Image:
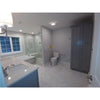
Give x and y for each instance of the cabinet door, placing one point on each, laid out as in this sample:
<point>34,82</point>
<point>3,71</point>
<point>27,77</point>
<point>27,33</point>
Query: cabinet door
<point>87,46</point>
<point>75,51</point>
<point>81,47</point>
<point>31,80</point>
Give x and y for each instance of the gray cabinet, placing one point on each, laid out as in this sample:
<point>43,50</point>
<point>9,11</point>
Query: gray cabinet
<point>81,47</point>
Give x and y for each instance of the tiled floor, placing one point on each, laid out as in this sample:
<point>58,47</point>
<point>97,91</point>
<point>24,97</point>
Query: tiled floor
<point>61,76</point>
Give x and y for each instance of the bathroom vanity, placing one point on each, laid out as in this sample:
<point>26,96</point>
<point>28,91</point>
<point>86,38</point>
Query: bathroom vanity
<point>19,73</point>
<point>22,76</point>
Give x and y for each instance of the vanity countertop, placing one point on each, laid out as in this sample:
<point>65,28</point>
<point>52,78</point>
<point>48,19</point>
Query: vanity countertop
<point>17,70</point>
<point>17,73</point>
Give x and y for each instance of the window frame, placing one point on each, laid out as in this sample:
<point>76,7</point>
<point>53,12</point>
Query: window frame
<point>5,44</point>
<point>11,44</point>
<point>15,45</point>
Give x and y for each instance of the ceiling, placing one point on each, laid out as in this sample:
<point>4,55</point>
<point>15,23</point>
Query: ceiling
<point>31,22</point>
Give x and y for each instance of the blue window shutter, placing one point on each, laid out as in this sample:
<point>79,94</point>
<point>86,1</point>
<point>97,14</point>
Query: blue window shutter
<point>5,44</point>
<point>16,44</point>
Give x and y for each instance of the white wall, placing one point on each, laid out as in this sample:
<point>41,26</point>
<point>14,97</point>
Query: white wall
<point>95,61</point>
<point>62,42</point>
<point>46,42</point>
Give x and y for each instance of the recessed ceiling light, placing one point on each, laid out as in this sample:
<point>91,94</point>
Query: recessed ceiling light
<point>52,23</point>
<point>20,30</point>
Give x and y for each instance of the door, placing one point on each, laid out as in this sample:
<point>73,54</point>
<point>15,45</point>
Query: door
<point>81,47</point>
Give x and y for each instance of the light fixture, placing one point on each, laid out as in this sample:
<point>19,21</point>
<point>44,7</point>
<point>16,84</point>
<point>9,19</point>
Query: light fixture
<point>52,23</point>
<point>20,30</point>
<point>9,78</point>
<point>32,32</point>
<point>25,70</point>
<point>5,22</point>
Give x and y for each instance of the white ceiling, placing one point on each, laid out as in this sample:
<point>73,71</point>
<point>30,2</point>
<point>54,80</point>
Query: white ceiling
<point>31,22</point>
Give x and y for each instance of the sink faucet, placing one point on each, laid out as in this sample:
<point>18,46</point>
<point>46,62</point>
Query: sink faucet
<point>5,71</point>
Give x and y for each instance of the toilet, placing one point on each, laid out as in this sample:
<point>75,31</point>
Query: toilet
<point>54,59</point>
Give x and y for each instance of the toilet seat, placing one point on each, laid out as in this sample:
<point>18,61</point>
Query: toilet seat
<point>54,58</point>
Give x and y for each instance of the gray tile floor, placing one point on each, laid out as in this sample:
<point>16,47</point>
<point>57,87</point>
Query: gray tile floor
<point>61,76</point>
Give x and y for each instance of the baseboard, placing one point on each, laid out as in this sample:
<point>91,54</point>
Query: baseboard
<point>79,70</point>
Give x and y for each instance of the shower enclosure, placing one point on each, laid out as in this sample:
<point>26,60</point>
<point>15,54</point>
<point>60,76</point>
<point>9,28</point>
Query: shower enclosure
<point>33,47</point>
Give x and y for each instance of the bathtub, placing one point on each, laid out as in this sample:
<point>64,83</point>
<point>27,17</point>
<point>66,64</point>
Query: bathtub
<point>22,76</point>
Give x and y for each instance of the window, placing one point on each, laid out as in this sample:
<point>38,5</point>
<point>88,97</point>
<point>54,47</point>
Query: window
<point>5,44</point>
<point>15,42</point>
<point>8,46</point>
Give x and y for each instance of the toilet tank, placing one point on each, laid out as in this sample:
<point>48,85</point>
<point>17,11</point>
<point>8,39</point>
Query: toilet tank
<point>56,54</point>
